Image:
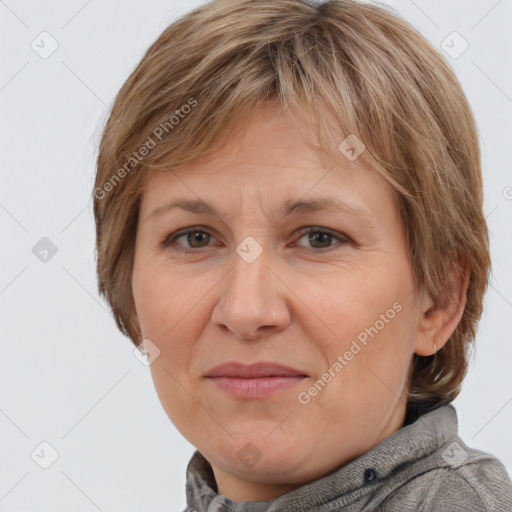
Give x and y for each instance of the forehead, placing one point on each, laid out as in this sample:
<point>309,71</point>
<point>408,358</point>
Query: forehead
<point>267,159</point>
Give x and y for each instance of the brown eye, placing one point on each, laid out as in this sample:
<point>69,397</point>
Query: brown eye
<point>320,240</point>
<point>195,239</point>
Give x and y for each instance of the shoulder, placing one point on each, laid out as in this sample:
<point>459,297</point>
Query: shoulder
<point>482,476</point>
<point>478,484</point>
<point>471,487</point>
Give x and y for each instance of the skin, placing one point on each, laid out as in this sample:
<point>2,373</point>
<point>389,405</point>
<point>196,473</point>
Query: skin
<point>291,305</point>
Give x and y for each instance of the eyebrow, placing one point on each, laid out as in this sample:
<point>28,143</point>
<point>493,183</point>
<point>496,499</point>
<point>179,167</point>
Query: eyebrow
<point>288,207</point>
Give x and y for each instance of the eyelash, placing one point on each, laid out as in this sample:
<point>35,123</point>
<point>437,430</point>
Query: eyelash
<point>170,239</point>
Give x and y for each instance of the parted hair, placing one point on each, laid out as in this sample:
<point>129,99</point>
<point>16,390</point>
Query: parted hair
<point>350,68</point>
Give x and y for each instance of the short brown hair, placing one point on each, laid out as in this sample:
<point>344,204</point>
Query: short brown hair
<point>356,63</point>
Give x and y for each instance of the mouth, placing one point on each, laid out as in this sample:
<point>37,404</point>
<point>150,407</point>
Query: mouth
<point>256,370</point>
<point>258,380</point>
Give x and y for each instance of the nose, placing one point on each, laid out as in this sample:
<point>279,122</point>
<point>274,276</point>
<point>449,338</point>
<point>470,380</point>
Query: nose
<point>254,300</point>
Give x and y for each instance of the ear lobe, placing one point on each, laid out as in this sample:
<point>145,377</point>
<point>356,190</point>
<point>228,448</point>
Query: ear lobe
<point>438,324</point>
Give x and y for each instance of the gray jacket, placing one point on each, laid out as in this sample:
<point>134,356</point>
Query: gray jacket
<point>422,467</point>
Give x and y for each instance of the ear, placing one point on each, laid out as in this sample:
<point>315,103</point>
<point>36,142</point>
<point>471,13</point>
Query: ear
<point>436,325</point>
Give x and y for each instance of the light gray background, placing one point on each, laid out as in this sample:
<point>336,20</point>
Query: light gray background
<point>68,377</point>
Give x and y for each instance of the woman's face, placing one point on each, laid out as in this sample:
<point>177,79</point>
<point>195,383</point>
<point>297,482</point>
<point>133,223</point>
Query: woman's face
<point>252,285</point>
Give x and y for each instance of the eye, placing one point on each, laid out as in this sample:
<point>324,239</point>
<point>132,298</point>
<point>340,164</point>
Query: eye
<point>197,238</point>
<point>192,236</point>
<point>321,238</point>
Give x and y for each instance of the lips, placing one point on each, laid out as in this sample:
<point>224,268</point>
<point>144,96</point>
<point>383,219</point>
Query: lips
<point>253,371</point>
<point>256,381</point>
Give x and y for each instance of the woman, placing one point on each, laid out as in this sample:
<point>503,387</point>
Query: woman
<point>288,205</point>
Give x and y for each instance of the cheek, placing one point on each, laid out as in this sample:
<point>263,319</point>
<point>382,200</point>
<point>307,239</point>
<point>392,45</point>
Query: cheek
<point>172,390</point>
<point>157,300</point>
<point>371,320</point>
<point>164,315</point>
<point>167,308</point>
<point>349,302</point>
